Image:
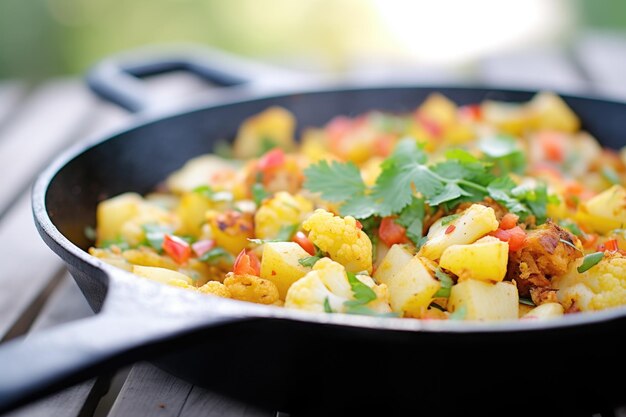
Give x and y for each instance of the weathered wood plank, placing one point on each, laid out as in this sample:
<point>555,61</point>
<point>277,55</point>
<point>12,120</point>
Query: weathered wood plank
<point>47,121</point>
<point>602,57</point>
<point>27,263</point>
<point>148,391</point>
<point>535,69</point>
<point>201,402</point>
<point>10,94</point>
<point>66,304</point>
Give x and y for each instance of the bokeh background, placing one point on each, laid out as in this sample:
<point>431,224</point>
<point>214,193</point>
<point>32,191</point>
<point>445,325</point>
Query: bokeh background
<point>44,38</point>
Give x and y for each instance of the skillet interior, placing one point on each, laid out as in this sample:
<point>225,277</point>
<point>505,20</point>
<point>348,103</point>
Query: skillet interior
<point>300,367</point>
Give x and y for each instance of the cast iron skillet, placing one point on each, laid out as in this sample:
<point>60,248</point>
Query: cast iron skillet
<point>298,362</point>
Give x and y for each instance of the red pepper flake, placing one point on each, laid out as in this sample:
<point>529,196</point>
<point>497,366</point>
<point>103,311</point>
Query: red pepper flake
<point>273,272</point>
<point>450,229</point>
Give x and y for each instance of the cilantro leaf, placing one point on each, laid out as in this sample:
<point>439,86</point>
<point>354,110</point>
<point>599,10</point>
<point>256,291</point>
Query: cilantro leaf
<point>610,175</point>
<point>335,181</point>
<point>446,283</point>
<point>208,192</point>
<point>362,293</point>
<point>505,154</point>
<point>214,255</point>
<point>327,308</point>
<point>590,261</point>
<point>309,261</point>
<point>527,301</point>
<point>155,233</point>
<point>259,193</point>
<point>449,219</point>
<point>412,218</point>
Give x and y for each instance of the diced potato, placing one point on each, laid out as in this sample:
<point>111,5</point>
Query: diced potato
<point>486,259</point>
<point>231,229</point>
<point>549,111</point>
<point>474,223</point>
<point>395,259</point>
<point>163,275</point>
<point>147,257</point>
<point>272,127</point>
<point>198,171</point>
<point>110,257</point>
<point>412,288</point>
<point>544,311</point>
<point>192,213</point>
<point>605,211</point>
<point>280,265</point>
<point>510,118</point>
<point>439,108</point>
<point>112,213</point>
<point>485,301</point>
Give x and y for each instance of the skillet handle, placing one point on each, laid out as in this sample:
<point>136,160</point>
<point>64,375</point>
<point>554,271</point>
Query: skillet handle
<point>48,361</point>
<point>118,78</point>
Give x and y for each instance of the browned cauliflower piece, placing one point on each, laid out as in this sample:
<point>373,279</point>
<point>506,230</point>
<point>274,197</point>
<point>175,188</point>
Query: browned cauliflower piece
<point>251,288</point>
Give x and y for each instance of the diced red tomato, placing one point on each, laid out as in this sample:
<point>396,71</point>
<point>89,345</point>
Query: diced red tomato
<point>471,112</point>
<point>338,127</point>
<point>515,237</point>
<point>202,246</point>
<point>509,221</point>
<point>431,126</point>
<point>301,239</point>
<point>611,245</point>
<point>450,229</point>
<point>247,263</point>
<point>589,240</point>
<point>176,248</point>
<point>553,145</point>
<point>391,232</point>
<point>271,159</point>
<point>359,225</point>
<point>383,145</point>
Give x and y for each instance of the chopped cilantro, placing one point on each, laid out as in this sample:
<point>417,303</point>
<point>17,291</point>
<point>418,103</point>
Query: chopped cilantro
<point>459,314</point>
<point>526,301</point>
<point>285,233</point>
<point>214,255</point>
<point>505,154</point>
<point>309,261</point>
<point>155,233</point>
<point>259,193</point>
<point>327,308</point>
<point>610,175</point>
<point>335,181</point>
<point>119,242</point>
<point>590,261</point>
<point>90,233</point>
<point>208,192</point>
<point>362,293</point>
<point>267,144</point>
<point>449,219</point>
<point>572,227</point>
<point>412,218</point>
<point>446,283</point>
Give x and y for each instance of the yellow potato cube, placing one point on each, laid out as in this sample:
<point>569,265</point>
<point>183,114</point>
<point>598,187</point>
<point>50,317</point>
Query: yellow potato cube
<point>412,288</point>
<point>473,223</point>
<point>395,259</point>
<point>439,108</point>
<point>549,111</point>
<point>162,275</point>
<point>484,301</point>
<point>274,126</point>
<point>486,259</point>
<point>605,211</point>
<point>112,213</point>
<point>544,311</point>
<point>192,213</point>
<point>279,264</point>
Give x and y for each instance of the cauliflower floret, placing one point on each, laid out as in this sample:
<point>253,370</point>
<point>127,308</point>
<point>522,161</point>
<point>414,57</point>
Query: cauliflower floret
<point>251,288</point>
<point>215,288</point>
<point>280,211</point>
<point>327,285</point>
<point>341,238</point>
<point>603,286</point>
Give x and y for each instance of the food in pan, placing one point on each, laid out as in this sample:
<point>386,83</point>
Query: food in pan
<point>488,211</point>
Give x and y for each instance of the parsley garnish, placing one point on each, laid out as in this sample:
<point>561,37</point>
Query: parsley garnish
<point>590,261</point>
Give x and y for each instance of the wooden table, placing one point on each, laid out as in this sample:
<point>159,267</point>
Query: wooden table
<point>36,292</point>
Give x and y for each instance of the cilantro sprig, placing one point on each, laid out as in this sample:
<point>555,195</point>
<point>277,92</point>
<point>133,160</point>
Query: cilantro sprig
<point>407,175</point>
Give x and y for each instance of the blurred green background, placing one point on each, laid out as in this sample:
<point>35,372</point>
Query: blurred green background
<point>43,38</point>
